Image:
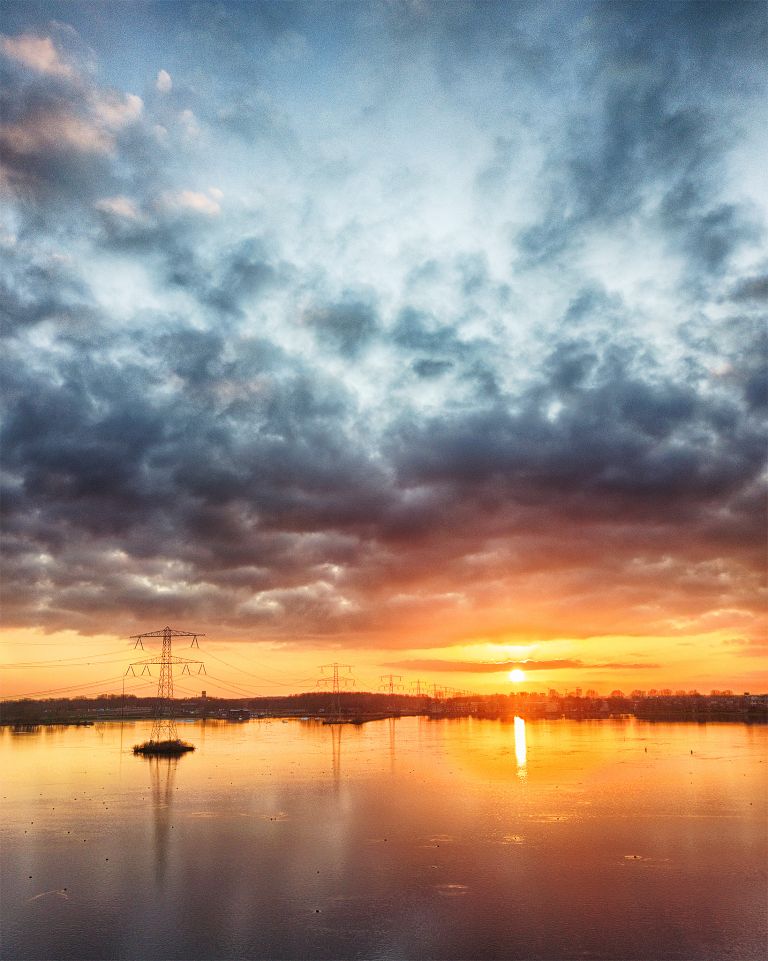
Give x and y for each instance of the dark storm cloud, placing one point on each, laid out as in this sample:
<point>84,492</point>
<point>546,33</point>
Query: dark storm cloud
<point>35,292</point>
<point>429,368</point>
<point>751,289</point>
<point>623,445</point>
<point>235,279</point>
<point>415,330</point>
<point>346,326</point>
<point>570,363</point>
<point>216,475</point>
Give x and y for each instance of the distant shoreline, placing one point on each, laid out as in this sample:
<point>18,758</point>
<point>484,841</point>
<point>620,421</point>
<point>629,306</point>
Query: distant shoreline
<point>362,708</point>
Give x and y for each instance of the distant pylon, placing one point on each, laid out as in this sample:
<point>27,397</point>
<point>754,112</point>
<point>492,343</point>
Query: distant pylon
<point>391,683</point>
<point>163,721</point>
<point>336,679</point>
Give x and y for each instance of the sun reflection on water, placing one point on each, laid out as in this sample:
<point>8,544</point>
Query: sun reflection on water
<point>520,747</point>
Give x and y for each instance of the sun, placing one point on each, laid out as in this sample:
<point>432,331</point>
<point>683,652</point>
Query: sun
<point>517,676</point>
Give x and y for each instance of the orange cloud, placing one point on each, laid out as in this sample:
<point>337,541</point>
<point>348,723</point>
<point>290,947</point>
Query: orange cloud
<point>55,130</point>
<point>496,667</point>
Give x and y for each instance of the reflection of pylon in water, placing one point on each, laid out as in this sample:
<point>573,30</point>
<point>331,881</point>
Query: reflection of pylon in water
<point>336,749</point>
<point>163,721</point>
<point>391,723</point>
<point>162,772</point>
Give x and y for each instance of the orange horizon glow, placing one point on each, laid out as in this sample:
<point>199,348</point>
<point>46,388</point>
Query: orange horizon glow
<point>65,664</point>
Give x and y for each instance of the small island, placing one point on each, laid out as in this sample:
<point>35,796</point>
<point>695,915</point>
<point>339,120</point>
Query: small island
<point>171,748</point>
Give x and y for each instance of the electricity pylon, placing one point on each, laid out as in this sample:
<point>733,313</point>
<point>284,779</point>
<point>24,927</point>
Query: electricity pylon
<point>163,721</point>
<point>391,683</point>
<point>336,680</point>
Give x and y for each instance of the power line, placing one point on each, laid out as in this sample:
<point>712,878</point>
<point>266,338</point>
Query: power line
<point>236,689</point>
<point>50,665</point>
<point>57,690</point>
<point>258,677</point>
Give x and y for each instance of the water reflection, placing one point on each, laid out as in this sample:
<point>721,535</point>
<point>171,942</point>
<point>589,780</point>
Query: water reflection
<point>446,856</point>
<point>25,728</point>
<point>162,773</point>
<point>521,751</point>
<point>335,730</point>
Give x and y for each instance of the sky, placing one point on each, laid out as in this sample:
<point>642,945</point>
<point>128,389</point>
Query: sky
<point>427,338</point>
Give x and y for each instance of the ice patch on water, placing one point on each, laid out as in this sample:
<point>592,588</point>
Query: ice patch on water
<point>451,889</point>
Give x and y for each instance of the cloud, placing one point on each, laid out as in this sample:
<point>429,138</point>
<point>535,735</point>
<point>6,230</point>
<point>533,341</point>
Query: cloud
<point>193,201</point>
<point>346,326</point>
<point>429,368</point>
<point>60,131</point>
<point>114,110</point>
<point>498,667</point>
<point>163,83</point>
<point>482,667</point>
<point>119,207</point>
<point>51,131</point>
<point>38,54</point>
<point>751,288</point>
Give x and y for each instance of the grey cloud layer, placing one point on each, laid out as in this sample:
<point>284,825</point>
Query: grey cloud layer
<point>300,386</point>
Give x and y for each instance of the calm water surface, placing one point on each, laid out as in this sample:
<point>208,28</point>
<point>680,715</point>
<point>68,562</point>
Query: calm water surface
<point>402,839</point>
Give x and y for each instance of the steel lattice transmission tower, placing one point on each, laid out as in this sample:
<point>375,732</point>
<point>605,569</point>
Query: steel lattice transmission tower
<point>391,683</point>
<point>163,721</point>
<point>336,680</point>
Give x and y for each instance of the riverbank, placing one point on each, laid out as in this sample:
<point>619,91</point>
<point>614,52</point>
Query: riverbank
<point>360,708</point>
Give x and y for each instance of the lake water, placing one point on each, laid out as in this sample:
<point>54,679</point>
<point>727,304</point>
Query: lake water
<point>401,839</point>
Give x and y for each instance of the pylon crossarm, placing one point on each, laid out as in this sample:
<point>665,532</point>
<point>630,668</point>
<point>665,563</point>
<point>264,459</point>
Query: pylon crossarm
<point>167,631</point>
<point>159,659</point>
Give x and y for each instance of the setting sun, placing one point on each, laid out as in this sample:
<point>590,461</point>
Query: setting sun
<point>516,675</point>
